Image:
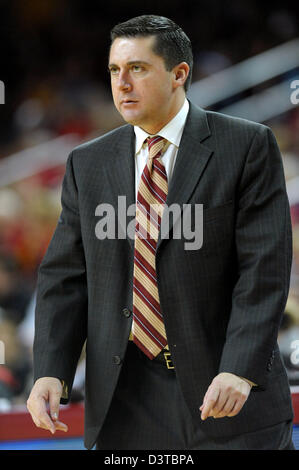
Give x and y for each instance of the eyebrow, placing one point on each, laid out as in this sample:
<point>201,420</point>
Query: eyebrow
<point>131,62</point>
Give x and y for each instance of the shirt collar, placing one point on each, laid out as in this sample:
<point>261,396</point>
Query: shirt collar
<point>172,131</point>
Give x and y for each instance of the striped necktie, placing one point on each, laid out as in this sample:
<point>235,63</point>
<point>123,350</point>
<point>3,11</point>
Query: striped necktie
<point>148,329</point>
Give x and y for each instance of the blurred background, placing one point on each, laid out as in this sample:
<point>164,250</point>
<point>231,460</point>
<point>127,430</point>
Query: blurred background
<point>54,57</point>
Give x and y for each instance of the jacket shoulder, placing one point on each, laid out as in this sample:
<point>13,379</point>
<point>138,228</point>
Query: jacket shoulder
<point>219,120</point>
<point>217,125</point>
<point>104,140</point>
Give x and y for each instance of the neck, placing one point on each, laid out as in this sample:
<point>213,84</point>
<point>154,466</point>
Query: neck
<point>155,128</point>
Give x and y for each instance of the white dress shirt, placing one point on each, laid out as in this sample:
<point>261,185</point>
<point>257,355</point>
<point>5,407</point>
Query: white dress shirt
<point>172,132</point>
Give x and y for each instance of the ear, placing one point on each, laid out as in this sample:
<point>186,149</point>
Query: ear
<point>180,74</point>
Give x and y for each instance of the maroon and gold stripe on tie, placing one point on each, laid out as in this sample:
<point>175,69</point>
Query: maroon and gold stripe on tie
<point>148,330</point>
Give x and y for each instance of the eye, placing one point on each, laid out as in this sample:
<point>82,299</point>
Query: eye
<point>137,68</point>
<point>113,70</point>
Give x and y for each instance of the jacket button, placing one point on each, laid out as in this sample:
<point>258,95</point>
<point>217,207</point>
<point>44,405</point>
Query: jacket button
<point>116,360</point>
<point>269,367</point>
<point>126,312</point>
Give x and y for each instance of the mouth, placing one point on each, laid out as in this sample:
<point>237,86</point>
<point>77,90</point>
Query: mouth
<point>128,102</point>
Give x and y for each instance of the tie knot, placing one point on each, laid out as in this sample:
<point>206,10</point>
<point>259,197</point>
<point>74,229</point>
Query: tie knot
<point>155,145</point>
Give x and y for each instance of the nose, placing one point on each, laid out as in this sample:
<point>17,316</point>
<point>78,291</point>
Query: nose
<point>124,83</point>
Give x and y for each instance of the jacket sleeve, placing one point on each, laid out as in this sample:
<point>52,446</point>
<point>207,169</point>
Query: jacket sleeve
<point>263,242</point>
<point>61,305</point>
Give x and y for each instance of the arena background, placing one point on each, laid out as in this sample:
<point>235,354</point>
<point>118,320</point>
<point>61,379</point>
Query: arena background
<point>56,94</point>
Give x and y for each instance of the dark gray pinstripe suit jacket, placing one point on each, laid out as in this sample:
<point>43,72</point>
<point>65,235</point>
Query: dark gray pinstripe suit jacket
<point>222,304</point>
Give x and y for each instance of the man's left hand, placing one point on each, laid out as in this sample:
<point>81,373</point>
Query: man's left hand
<point>225,396</point>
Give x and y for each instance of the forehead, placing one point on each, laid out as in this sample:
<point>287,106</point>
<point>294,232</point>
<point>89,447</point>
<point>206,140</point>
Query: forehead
<point>126,49</point>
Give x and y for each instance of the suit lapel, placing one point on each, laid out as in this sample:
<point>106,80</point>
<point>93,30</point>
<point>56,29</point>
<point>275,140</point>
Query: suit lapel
<point>190,163</point>
<point>122,171</point>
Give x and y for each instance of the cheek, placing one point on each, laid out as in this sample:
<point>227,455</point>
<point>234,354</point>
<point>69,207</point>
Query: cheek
<point>158,96</point>
<point>114,94</point>
<point>154,92</point>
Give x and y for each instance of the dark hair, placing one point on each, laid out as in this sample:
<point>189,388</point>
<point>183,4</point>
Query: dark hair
<point>171,43</point>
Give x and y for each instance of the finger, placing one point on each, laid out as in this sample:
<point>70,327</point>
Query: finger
<point>227,408</point>
<point>43,416</point>
<point>38,411</point>
<point>46,428</point>
<point>205,397</point>
<point>54,402</point>
<point>47,423</point>
<point>60,426</point>
<point>219,405</point>
<point>44,423</point>
<point>36,421</point>
<point>237,408</point>
<point>234,404</point>
<point>210,402</point>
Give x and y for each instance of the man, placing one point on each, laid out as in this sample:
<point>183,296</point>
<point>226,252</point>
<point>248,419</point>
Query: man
<point>181,348</point>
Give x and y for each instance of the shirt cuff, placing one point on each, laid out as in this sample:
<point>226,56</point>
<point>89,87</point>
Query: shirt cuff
<point>252,384</point>
<point>64,389</point>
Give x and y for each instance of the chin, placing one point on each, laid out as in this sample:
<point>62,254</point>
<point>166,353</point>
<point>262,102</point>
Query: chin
<point>130,118</point>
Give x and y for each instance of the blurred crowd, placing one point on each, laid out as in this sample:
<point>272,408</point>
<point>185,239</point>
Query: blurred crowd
<point>59,54</point>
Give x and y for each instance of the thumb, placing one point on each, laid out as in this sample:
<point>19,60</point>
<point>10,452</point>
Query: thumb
<point>54,402</point>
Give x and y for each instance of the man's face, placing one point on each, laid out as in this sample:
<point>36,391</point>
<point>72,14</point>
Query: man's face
<point>142,88</point>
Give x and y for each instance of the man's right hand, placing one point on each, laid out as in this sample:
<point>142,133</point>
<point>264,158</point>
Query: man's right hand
<point>46,391</point>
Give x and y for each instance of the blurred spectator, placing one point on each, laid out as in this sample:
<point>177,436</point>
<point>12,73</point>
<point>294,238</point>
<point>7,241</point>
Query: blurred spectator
<point>288,340</point>
<point>208,62</point>
<point>14,372</point>
<point>26,337</point>
<point>14,291</point>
